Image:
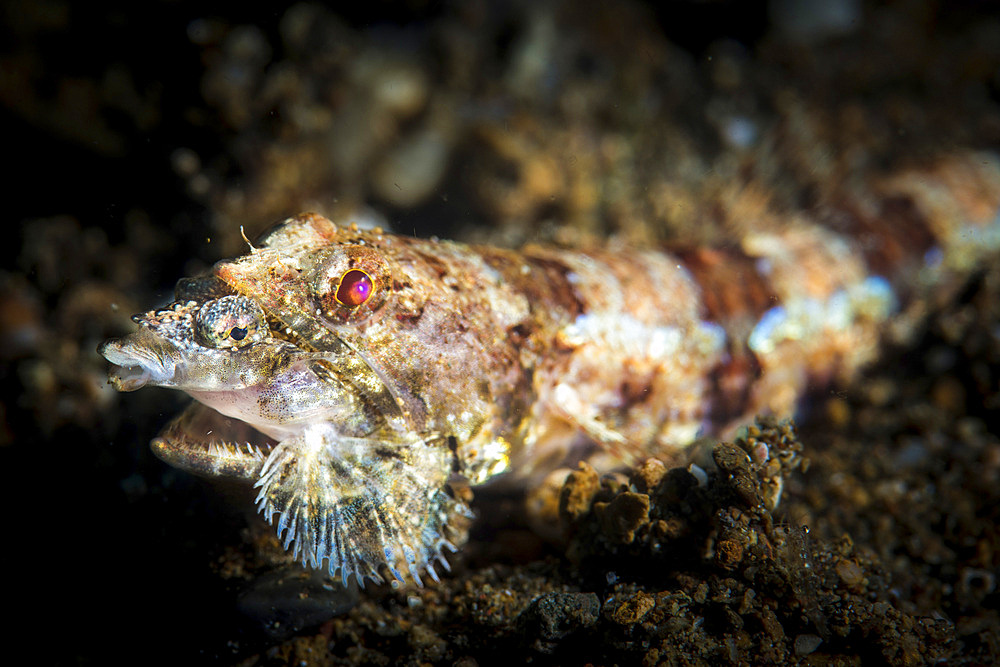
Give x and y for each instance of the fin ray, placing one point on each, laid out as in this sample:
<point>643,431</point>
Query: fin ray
<point>345,501</point>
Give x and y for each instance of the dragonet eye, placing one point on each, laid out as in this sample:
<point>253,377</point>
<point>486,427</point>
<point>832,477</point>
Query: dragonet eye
<point>355,288</point>
<point>230,322</point>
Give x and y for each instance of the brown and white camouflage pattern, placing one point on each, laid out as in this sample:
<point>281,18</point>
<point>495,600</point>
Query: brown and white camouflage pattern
<point>352,414</point>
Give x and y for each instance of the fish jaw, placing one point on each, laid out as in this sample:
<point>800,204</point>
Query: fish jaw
<point>140,359</point>
<point>206,443</point>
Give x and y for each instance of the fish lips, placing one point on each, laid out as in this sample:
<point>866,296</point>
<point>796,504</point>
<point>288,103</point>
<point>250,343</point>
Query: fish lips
<point>141,359</point>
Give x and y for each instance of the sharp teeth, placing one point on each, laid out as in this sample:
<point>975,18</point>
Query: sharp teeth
<point>224,449</point>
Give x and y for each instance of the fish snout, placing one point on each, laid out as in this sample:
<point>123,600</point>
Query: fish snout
<point>140,358</point>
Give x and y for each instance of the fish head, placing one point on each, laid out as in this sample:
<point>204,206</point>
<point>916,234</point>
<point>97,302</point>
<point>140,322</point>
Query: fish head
<point>259,382</point>
<point>287,400</point>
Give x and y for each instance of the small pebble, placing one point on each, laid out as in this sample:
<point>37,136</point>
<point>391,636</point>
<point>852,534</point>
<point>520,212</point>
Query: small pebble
<point>806,644</point>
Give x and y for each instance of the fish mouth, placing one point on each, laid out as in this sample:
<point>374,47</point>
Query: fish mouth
<point>141,359</point>
<point>209,444</point>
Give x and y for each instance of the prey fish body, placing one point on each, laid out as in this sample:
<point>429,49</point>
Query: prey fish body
<point>352,376</point>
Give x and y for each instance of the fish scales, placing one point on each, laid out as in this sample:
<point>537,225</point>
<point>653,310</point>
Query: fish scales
<point>352,375</point>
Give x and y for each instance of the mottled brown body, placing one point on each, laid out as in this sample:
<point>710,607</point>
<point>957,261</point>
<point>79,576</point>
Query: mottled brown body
<point>375,367</point>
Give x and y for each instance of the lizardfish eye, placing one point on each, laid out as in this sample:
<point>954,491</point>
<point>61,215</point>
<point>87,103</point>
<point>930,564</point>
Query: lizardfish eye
<point>230,322</point>
<point>351,284</point>
<point>355,288</point>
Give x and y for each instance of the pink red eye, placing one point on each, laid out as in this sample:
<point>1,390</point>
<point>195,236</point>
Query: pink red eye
<point>355,288</point>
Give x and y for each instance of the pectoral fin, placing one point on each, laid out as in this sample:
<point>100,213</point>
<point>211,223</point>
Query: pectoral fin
<point>360,503</point>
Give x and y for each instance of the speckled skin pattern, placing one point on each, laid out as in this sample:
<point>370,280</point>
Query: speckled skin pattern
<point>355,376</point>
